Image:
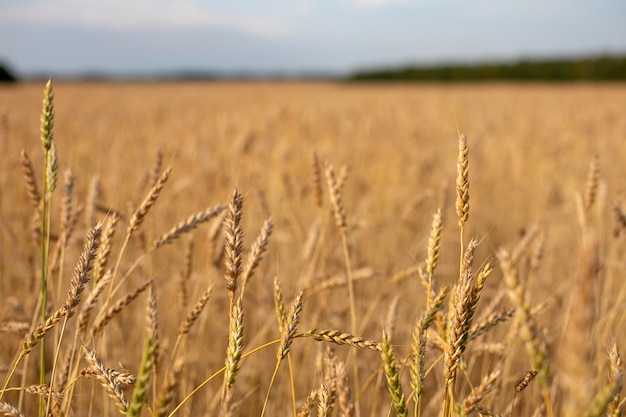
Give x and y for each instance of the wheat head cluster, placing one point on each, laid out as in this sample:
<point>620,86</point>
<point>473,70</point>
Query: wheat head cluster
<point>312,249</point>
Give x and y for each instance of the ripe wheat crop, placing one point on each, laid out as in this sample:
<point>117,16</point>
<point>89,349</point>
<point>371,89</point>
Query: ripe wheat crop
<point>312,249</point>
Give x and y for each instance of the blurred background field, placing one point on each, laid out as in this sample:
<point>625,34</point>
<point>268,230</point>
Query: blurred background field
<point>530,151</point>
<point>265,98</point>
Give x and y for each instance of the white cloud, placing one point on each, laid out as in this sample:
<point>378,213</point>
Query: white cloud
<point>304,7</point>
<point>141,14</point>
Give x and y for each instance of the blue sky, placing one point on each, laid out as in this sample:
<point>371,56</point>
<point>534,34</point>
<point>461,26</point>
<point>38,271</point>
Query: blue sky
<point>150,36</point>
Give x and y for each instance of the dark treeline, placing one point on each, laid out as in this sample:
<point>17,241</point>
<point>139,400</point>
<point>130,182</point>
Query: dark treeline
<point>604,68</point>
<point>578,69</point>
<point>5,74</point>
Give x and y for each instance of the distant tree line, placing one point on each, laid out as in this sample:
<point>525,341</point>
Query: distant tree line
<point>5,74</point>
<point>604,68</point>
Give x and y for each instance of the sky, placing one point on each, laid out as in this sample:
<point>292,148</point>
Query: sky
<point>70,37</point>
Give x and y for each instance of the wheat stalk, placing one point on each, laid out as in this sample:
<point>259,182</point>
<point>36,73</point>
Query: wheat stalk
<point>577,375</point>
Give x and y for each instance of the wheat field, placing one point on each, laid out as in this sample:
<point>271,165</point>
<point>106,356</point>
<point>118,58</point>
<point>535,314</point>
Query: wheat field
<point>252,249</point>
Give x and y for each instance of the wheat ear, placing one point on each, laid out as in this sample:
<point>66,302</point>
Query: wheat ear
<point>317,181</point>
<point>290,326</point>
<point>591,186</point>
<point>393,377</point>
<point>616,374</point>
<point>106,380</point>
<point>140,392</point>
<point>104,318</point>
<point>535,346</point>
<point>73,298</point>
<point>92,201</point>
<point>66,207</point>
<point>235,346</point>
<point>434,244</point>
<point>324,405</point>
<point>233,245</point>
<point>281,314</point>
<point>329,374</point>
<point>256,254</point>
<point>185,274</point>
<point>168,391</point>
<point>340,338</point>
<point>82,271</point>
<point>307,406</point>
<point>187,225</point>
<point>124,379</point>
<point>346,407</point>
<point>418,346</point>
<point>602,400</point>
<point>620,220</point>
<point>336,199</point>
<point>490,321</point>
<point>153,175</point>
<point>195,312</point>
<point>102,259</point>
<point>462,313</point>
<point>31,182</point>
<point>9,411</point>
<point>478,393</point>
<point>462,182</point>
<point>142,211</point>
